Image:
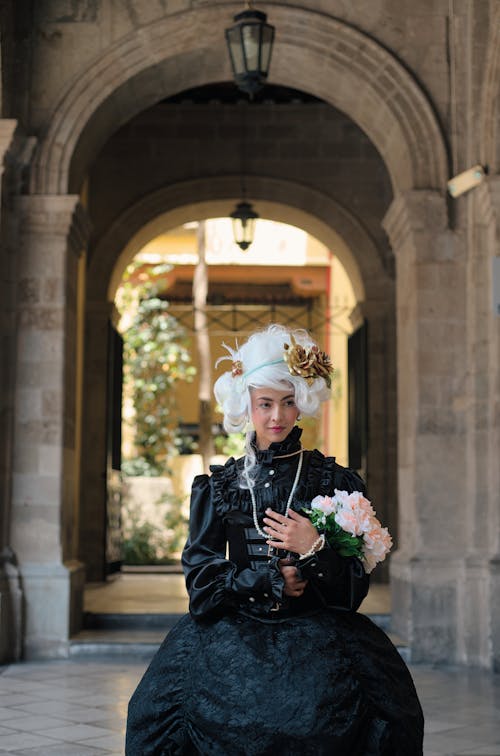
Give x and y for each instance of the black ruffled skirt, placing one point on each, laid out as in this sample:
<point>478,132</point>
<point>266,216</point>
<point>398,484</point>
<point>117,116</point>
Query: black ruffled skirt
<point>331,683</point>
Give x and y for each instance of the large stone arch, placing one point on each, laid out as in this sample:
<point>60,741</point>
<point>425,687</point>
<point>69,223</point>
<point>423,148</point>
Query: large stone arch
<point>280,200</point>
<point>338,63</point>
<point>284,201</point>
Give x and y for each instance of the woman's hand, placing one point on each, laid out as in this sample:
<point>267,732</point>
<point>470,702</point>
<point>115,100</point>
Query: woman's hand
<point>294,586</point>
<point>293,533</point>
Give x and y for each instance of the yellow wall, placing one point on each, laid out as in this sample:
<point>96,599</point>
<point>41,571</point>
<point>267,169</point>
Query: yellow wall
<point>341,303</point>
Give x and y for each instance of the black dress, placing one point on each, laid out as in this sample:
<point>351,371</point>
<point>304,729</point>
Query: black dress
<point>251,672</point>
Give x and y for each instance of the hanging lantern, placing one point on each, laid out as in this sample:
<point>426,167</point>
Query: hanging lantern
<point>250,44</point>
<point>243,219</point>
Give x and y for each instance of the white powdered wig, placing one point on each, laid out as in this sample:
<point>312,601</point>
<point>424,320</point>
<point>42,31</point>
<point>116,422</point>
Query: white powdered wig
<point>260,363</point>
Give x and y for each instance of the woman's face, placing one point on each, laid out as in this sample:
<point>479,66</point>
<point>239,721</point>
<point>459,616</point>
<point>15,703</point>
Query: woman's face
<point>273,414</point>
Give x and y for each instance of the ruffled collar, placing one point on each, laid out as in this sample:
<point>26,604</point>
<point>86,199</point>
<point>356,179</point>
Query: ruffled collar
<point>278,448</point>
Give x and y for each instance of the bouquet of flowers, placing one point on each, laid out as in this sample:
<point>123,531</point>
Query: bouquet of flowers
<point>350,526</point>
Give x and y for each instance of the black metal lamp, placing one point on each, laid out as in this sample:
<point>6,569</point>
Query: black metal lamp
<point>250,44</point>
<point>243,219</point>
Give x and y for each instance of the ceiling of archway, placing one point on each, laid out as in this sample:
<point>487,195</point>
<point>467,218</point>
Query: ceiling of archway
<point>210,132</point>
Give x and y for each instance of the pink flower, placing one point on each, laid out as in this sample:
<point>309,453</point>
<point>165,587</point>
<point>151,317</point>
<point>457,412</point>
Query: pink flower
<point>348,521</point>
<point>355,522</point>
<point>369,562</point>
<point>355,501</point>
<point>358,501</point>
<point>325,504</point>
<point>377,543</point>
<point>354,512</point>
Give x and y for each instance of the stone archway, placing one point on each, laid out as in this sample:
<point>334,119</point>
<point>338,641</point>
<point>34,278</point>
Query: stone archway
<point>313,211</point>
<point>339,64</point>
<point>173,205</point>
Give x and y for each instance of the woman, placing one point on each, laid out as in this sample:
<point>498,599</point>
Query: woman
<point>273,657</point>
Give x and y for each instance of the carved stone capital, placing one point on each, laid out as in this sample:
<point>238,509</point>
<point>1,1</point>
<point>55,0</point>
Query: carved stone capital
<point>55,215</point>
<point>415,212</point>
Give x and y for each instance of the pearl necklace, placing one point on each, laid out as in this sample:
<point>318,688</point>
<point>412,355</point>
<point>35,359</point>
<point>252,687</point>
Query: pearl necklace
<point>288,504</point>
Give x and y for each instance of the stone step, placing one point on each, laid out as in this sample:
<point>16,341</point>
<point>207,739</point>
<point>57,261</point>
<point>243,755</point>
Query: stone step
<point>141,644</point>
<point>129,620</point>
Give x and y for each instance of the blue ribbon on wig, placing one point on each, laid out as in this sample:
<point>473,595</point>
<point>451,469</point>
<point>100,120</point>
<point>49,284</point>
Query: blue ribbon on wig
<point>264,364</point>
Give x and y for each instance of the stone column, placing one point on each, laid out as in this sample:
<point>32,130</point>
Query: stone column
<point>53,233</point>
<point>481,643</point>
<point>10,593</point>
<point>428,567</point>
<point>495,446</point>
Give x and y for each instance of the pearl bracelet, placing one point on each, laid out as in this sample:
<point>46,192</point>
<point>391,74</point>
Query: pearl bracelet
<point>318,544</point>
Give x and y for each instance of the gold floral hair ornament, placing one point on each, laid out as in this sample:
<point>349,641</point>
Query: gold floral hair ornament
<point>236,368</point>
<point>308,363</point>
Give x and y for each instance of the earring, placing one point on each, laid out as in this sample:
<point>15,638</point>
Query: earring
<point>299,417</point>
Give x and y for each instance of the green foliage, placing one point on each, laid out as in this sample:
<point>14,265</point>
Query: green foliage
<point>139,467</point>
<point>346,544</point>
<point>176,523</point>
<point>149,543</point>
<point>343,542</point>
<point>156,356</point>
<point>138,547</point>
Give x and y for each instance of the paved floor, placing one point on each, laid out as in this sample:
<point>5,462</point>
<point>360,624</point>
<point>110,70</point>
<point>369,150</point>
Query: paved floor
<point>78,707</point>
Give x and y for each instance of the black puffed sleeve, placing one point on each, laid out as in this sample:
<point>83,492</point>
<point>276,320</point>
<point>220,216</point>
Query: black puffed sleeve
<point>213,582</point>
<point>338,582</point>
